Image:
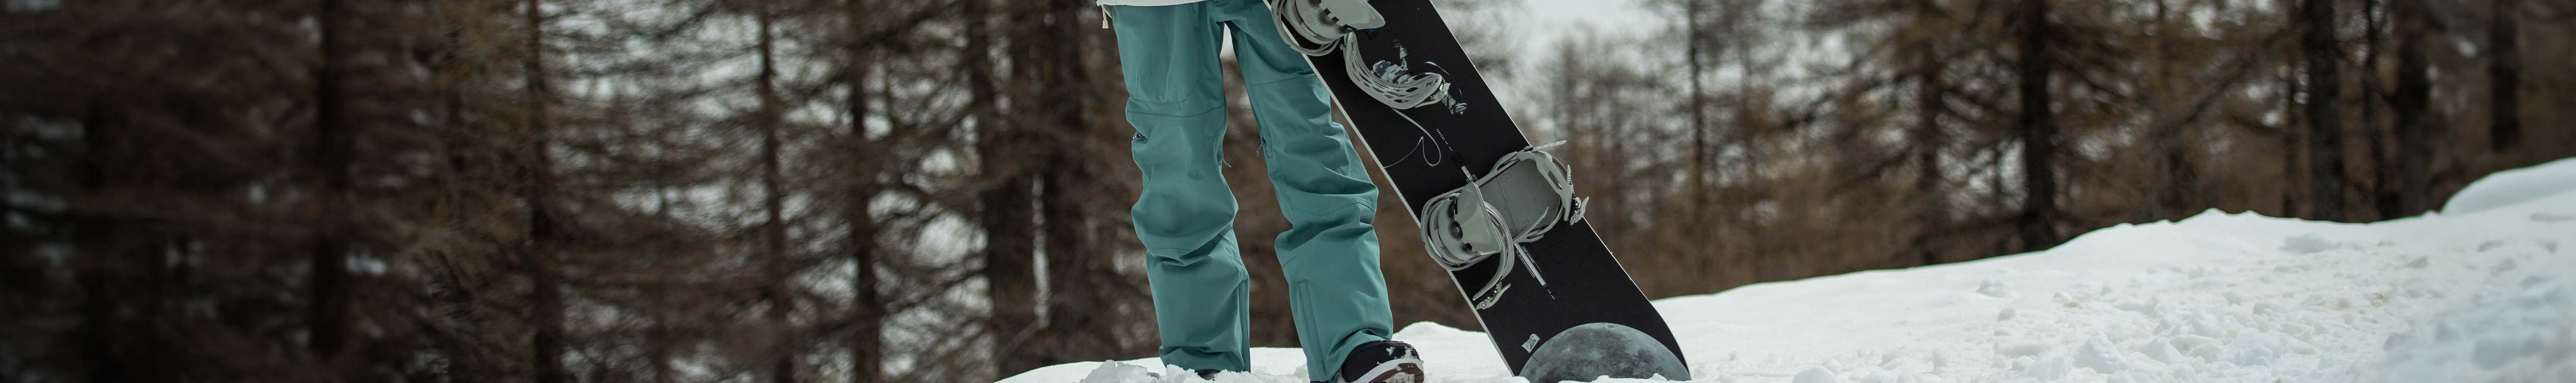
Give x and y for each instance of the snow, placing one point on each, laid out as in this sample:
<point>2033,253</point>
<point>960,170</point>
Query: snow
<point>2514,186</point>
<point>2481,293</point>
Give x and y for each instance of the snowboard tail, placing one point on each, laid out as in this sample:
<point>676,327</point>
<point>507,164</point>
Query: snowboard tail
<point>1496,212</point>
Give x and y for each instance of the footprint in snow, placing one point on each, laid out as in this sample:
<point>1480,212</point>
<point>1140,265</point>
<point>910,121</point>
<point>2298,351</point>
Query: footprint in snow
<point>2306,243</point>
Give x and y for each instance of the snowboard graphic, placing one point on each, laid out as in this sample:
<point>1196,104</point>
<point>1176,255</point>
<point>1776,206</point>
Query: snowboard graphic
<point>1497,212</point>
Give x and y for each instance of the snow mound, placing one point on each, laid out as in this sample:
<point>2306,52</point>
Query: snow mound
<point>2511,187</point>
<point>2217,297</point>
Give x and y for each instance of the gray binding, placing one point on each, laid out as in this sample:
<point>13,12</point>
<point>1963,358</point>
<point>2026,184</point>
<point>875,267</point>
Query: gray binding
<point>1317,27</point>
<point>1527,194</point>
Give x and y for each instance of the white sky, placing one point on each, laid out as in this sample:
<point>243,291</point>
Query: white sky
<point>1550,18</point>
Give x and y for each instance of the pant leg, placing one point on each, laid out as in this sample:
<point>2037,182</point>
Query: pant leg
<point>1330,253</point>
<point>1185,217</point>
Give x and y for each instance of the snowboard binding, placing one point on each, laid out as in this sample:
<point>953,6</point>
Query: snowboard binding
<point>1324,22</point>
<point>1406,89</point>
<point>1320,27</point>
<point>1527,194</point>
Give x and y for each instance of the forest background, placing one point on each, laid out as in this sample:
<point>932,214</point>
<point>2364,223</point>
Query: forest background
<point>936,190</point>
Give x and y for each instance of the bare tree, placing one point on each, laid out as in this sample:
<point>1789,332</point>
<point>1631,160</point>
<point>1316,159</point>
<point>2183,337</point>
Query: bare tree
<point>328,318</point>
<point>1081,318</point>
<point>1931,212</point>
<point>2504,74</point>
<point>550,191</point>
<point>536,250</point>
<point>866,305</point>
<point>776,291</point>
<point>2325,134</point>
<point>1009,253</point>
<point>2038,128</point>
<point>2414,91</point>
<point>1698,106</point>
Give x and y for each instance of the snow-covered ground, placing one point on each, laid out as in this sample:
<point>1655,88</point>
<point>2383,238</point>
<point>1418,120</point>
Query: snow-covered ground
<point>2485,292</point>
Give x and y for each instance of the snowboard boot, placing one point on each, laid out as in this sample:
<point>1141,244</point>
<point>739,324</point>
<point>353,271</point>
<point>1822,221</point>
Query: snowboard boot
<point>1384,361</point>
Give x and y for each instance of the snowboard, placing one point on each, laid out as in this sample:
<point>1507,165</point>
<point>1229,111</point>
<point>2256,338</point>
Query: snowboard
<point>1496,211</point>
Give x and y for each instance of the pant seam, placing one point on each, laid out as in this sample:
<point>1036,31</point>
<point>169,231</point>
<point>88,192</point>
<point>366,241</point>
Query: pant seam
<point>1336,209</point>
<point>1200,113</point>
<point>1300,77</point>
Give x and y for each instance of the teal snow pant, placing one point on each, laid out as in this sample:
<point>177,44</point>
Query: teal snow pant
<point>1185,217</point>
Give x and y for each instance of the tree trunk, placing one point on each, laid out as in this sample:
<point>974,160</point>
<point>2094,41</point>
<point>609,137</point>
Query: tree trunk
<point>535,252</point>
<point>1933,210</point>
<point>2414,90</point>
<point>465,359</point>
<point>97,239</point>
<point>458,311</point>
<point>328,313</point>
<point>2325,133</point>
<point>660,337</point>
<point>866,307</point>
<point>2383,191</point>
<point>2177,189</point>
<point>1699,116</point>
<point>2504,75</point>
<point>1077,319</point>
<point>2038,131</point>
<point>782,352</point>
<point>2290,145</point>
<point>1010,274</point>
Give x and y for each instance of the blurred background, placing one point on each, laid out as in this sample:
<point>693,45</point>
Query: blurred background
<point>938,190</point>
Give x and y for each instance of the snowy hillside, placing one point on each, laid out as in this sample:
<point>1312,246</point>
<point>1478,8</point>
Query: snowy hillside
<point>2471,296</point>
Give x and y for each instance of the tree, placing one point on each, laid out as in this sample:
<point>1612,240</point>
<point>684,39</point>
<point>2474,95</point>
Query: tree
<point>2413,92</point>
<point>2038,128</point>
<point>781,356</point>
<point>472,152</point>
<point>1009,255</point>
<point>2383,191</point>
<point>536,250</point>
<point>625,190</point>
<point>1929,65</point>
<point>2166,135</point>
<point>329,315</point>
<point>1698,107</point>
<point>1081,311</point>
<point>866,305</point>
<point>2325,134</point>
<point>2504,74</point>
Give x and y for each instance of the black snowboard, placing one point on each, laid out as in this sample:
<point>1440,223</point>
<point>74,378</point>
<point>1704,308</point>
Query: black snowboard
<point>1580,314</point>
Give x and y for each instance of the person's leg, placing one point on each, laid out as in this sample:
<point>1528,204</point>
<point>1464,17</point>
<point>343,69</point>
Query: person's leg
<point>1330,252</point>
<point>1185,217</point>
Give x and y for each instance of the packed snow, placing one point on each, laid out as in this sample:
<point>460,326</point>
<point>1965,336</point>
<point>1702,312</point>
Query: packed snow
<point>2481,293</point>
<point>2511,187</point>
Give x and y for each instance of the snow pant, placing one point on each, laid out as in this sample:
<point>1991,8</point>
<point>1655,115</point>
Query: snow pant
<point>1185,217</point>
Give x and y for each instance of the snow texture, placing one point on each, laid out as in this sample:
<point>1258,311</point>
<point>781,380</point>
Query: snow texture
<point>2484,292</point>
<point>2511,187</point>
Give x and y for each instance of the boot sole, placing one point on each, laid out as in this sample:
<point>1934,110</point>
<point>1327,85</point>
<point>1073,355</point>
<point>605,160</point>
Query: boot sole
<point>1398,371</point>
